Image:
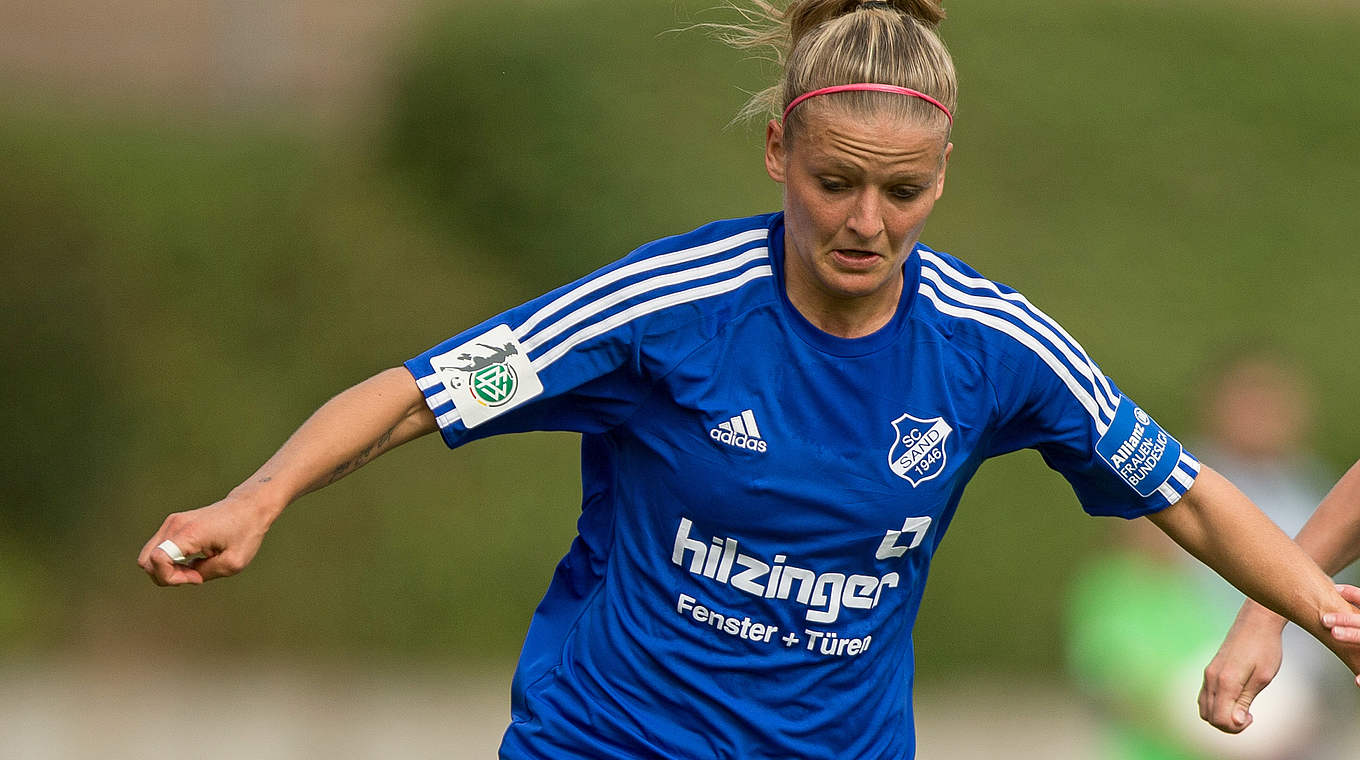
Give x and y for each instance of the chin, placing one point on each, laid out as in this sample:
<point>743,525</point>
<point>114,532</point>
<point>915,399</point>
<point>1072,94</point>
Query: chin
<point>851,289</point>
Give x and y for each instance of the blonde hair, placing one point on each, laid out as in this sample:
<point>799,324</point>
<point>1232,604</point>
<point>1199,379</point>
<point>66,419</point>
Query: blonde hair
<point>824,43</point>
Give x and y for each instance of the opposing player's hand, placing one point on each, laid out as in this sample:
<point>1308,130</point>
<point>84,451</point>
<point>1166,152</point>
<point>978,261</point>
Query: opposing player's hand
<point>1346,628</point>
<point>1245,664</point>
<point>226,534</point>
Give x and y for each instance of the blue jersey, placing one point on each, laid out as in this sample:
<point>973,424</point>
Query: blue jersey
<point>761,500</point>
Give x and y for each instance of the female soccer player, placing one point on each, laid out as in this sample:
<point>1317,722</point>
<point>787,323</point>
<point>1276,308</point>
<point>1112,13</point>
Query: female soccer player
<point>778,417</point>
<point>1251,653</point>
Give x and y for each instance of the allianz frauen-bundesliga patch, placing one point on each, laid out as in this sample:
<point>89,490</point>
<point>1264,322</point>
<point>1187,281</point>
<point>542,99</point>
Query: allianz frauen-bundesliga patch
<point>1138,449</point>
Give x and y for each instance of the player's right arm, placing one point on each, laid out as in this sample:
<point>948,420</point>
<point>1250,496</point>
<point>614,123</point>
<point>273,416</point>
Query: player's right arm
<point>348,431</point>
<point>1250,655</point>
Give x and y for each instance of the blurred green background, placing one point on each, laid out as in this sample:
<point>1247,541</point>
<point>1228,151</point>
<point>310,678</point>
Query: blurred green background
<point>191,262</point>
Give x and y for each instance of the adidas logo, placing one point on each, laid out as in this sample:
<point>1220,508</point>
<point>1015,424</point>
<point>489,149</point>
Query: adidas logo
<point>740,431</point>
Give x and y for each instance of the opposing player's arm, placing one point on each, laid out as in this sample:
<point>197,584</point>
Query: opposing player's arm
<point>1222,528</point>
<point>1332,535</point>
<point>1251,652</point>
<point>347,432</point>
<point>1332,538</point>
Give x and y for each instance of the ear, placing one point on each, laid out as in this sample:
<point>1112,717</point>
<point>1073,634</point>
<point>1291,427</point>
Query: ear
<point>775,151</point>
<point>944,164</point>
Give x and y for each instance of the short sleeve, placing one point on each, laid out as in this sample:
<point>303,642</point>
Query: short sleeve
<point>567,360</point>
<point>1052,397</point>
<point>584,357</point>
<point>485,381</point>
<point>1118,460</point>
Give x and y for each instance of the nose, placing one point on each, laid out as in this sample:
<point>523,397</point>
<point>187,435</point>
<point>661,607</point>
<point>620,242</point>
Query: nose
<point>866,216</point>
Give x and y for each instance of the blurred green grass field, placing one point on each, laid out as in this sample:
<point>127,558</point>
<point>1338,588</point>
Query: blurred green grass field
<point>182,287</point>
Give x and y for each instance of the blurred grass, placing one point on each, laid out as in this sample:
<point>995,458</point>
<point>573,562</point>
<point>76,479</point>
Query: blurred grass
<point>182,291</point>
<point>589,129</point>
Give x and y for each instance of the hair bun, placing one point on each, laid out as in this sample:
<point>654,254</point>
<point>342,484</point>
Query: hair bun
<point>927,12</point>
<point>827,43</point>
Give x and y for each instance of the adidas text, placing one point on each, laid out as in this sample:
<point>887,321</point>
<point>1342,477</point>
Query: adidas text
<point>740,431</point>
<point>737,439</point>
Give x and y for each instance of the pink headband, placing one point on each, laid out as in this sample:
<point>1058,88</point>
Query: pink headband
<point>869,87</point>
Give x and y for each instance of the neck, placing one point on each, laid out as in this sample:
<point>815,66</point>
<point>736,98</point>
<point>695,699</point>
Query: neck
<point>842,316</point>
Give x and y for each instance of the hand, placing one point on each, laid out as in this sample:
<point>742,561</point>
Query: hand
<point>1245,664</point>
<point>1345,628</point>
<point>227,534</point>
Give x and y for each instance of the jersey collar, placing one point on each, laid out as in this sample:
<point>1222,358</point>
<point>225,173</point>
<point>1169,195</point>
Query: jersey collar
<point>824,341</point>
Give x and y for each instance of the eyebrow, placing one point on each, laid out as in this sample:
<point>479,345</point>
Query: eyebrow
<point>840,165</point>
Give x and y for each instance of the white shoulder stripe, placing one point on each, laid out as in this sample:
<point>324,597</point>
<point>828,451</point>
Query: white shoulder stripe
<point>444,396</point>
<point>1081,393</point>
<point>637,267</point>
<point>1190,464</point>
<point>1186,470</point>
<point>619,296</point>
<point>647,307</point>
<point>1082,365</point>
<point>980,282</point>
<point>1169,493</point>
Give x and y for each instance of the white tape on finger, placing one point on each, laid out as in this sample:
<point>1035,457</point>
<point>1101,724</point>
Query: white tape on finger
<point>176,554</point>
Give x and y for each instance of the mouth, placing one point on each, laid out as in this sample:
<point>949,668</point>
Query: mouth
<point>852,258</point>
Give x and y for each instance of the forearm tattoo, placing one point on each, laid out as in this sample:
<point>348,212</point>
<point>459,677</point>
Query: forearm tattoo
<point>370,451</point>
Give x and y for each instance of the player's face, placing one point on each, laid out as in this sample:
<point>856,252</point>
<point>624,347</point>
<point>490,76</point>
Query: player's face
<point>857,193</point>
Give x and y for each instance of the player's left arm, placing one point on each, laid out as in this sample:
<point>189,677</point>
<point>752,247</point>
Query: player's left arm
<point>1220,526</point>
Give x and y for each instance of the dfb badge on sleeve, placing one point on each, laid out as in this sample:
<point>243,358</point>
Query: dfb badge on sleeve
<point>487,376</point>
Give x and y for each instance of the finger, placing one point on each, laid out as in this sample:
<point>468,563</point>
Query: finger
<point>160,568</point>
<point>1349,593</point>
<point>1349,632</point>
<point>178,555</point>
<point>1208,691</point>
<point>1241,713</point>
<point>1348,619</point>
<point>166,571</point>
<point>1241,716</point>
<point>170,526</point>
<point>149,548</point>
<point>1225,702</point>
<point>1332,620</point>
<point>217,566</point>
<point>179,575</point>
<point>1209,698</point>
<point>148,558</point>
<point>173,551</point>
<point>144,556</point>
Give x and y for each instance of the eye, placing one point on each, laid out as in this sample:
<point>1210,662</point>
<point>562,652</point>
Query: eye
<point>833,185</point>
<point>904,192</point>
